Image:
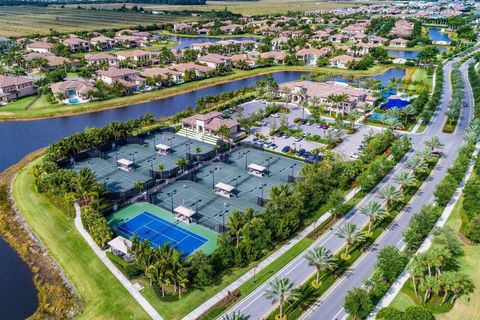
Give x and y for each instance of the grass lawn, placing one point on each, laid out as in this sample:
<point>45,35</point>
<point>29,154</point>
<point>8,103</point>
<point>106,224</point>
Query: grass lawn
<point>17,105</point>
<point>465,308</point>
<point>420,75</point>
<point>103,297</point>
<point>42,109</point>
<point>248,7</point>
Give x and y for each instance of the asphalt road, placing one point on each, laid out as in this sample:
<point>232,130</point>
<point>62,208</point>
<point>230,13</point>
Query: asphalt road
<point>256,305</point>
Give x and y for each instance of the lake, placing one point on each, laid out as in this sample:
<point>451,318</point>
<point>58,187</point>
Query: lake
<point>408,54</point>
<point>436,34</point>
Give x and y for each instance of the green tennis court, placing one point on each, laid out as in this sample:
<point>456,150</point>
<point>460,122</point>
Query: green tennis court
<point>159,226</point>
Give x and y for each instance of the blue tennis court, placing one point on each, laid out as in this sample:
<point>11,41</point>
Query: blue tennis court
<point>158,231</point>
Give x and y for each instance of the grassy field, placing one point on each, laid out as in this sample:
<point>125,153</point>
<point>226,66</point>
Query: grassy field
<point>23,20</point>
<point>42,109</point>
<point>103,297</point>
<point>466,307</point>
<point>254,7</point>
<point>420,75</point>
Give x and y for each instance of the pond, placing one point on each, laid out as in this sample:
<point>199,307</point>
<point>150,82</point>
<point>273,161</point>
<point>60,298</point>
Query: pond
<point>436,34</point>
<point>408,54</point>
<point>184,42</point>
<point>18,138</point>
<point>384,78</point>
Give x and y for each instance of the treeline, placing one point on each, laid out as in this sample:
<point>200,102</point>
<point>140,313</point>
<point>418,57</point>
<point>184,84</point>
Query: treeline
<point>434,101</point>
<point>456,103</point>
<point>47,2</point>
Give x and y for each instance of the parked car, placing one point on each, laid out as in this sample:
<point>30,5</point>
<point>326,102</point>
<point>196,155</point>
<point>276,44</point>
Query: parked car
<point>273,146</point>
<point>278,134</point>
<point>286,149</point>
<point>285,136</point>
<point>298,139</point>
<point>354,155</point>
<point>309,123</point>
<point>325,126</point>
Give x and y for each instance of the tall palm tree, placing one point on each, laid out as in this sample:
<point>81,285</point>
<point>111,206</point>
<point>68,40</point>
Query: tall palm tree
<point>322,259</point>
<point>224,133</point>
<point>434,143</point>
<point>281,289</point>
<point>353,115</point>
<point>374,211</point>
<point>404,179</point>
<point>161,167</point>
<point>390,194</point>
<point>351,233</point>
<point>235,224</point>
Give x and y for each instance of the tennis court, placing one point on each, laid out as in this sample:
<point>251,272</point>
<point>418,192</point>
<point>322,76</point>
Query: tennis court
<point>149,222</point>
<point>159,232</point>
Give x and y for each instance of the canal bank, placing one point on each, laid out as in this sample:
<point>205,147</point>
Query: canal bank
<point>44,111</point>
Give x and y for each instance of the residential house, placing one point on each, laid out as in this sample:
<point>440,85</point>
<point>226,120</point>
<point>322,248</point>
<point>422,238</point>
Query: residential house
<point>128,77</point>
<point>173,76</point>
<point>209,123</point>
<point>299,91</point>
<point>310,56</point>
<point>277,43</point>
<point>215,61</point>
<point>54,62</point>
<point>200,71</point>
<point>341,61</point>
<point>249,61</point>
<point>139,57</point>
<point>130,41</point>
<point>71,89</point>
<point>182,27</point>
<point>277,56</point>
<point>402,28</point>
<point>377,40</point>
<point>101,58</point>
<point>39,46</point>
<point>231,28</point>
<point>321,35</point>
<point>102,43</point>
<point>15,87</point>
<point>337,38</point>
<point>76,44</point>
<point>399,42</point>
<point>360,49</point>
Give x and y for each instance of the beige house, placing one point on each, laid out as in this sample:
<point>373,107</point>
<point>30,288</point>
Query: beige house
<point>164,73</point>
<point>310,56</point>
<point>277,56</point>
<point>98,58</point>
<point>209,123</point>
<point>341,61</point>
<point>39,46</point>
<point>137,56</point>
<point>128,77</point>
<point>399,42</point>
<point>215,61</point>
<point>77,44</point>
<point>102,43</point>
<point>72,89</point>
<point>305,90</point>
<point>15,87</point>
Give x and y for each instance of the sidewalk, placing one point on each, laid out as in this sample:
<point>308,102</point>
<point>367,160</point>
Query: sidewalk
<point>404,276</point>
<point>113,269</point>
<point>262,265</point>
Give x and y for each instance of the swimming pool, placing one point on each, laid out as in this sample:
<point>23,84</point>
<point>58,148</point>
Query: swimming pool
<point>74,100</point>
<point>378,116</point>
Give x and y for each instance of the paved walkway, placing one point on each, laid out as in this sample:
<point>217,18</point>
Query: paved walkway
<point>113,269</point>
<point>262,265</point>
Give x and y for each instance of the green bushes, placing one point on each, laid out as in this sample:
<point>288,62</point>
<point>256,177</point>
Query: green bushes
<point>420,226</point>
<point>129,269</point>
<point>412,313</point>
<point>435,98</point>
<point>456,103</point>
<point>96,225</point>
<point>446,188</point>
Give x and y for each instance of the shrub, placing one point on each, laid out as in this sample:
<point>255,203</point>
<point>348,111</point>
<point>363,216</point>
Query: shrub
<point>472,229</point>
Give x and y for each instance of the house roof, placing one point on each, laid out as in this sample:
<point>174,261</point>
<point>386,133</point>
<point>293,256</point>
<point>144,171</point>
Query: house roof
<point>40,45</point>
<point>7,81</point>
<point>133,53</point>
<point>81,86</point>
<point>99,57</point>
<point>214,58</point>
<point>117,72</point>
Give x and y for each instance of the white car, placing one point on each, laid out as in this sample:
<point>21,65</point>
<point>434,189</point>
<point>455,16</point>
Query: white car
<point>354,155</point>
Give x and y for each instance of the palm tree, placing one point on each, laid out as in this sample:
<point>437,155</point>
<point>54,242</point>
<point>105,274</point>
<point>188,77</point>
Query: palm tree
<point>416,164</point>
<point>416,269</point>
<point>161,167</point>
<point>224,133</point>
<point>434,143</point>
<point>235,224</point>
<point>404,179</point>
<point>235,316</point>
<point>322,259</point>
<point>390,194</point>
<point>281,289</point>
<point>374,211</point>
<point>351,234</point>
<point>182,162</point>
<point>198,150</point>
<point>353,116</point>
<point>139,185</point>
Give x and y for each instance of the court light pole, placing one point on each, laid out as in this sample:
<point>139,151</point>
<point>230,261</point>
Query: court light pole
<point>246,158</point>
<point>213,178</point>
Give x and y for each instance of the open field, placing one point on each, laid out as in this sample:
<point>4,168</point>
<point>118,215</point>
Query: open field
<point>253,7</point>
<point>42,109</point>
<point>23,20</point>
<point>88,274</point>
<point>466,307</point>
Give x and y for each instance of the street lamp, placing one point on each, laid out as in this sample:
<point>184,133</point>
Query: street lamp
<point>246,158</point>
<point>170,194</point>
<point>262,186</point>
<point>212,172</point>
<point>196,204</point>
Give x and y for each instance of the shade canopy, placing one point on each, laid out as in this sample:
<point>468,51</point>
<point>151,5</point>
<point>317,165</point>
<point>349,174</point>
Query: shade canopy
<point>124,162</point>
<point>256,167</point>
<point>184,211</point>
<point>120,244</point>
<point>224,187</point>
<point>162,147</point>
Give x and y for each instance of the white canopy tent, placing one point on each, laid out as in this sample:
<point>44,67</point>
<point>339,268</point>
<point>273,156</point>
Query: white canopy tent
<point>224,190</point>
<point>125,164</point>
<point>162,149</point>
<point>256,170</point>
<point>184,214</point>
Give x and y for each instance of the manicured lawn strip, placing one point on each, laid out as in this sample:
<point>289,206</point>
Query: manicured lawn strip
<point>103,297</point>
<point>53,110</point>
